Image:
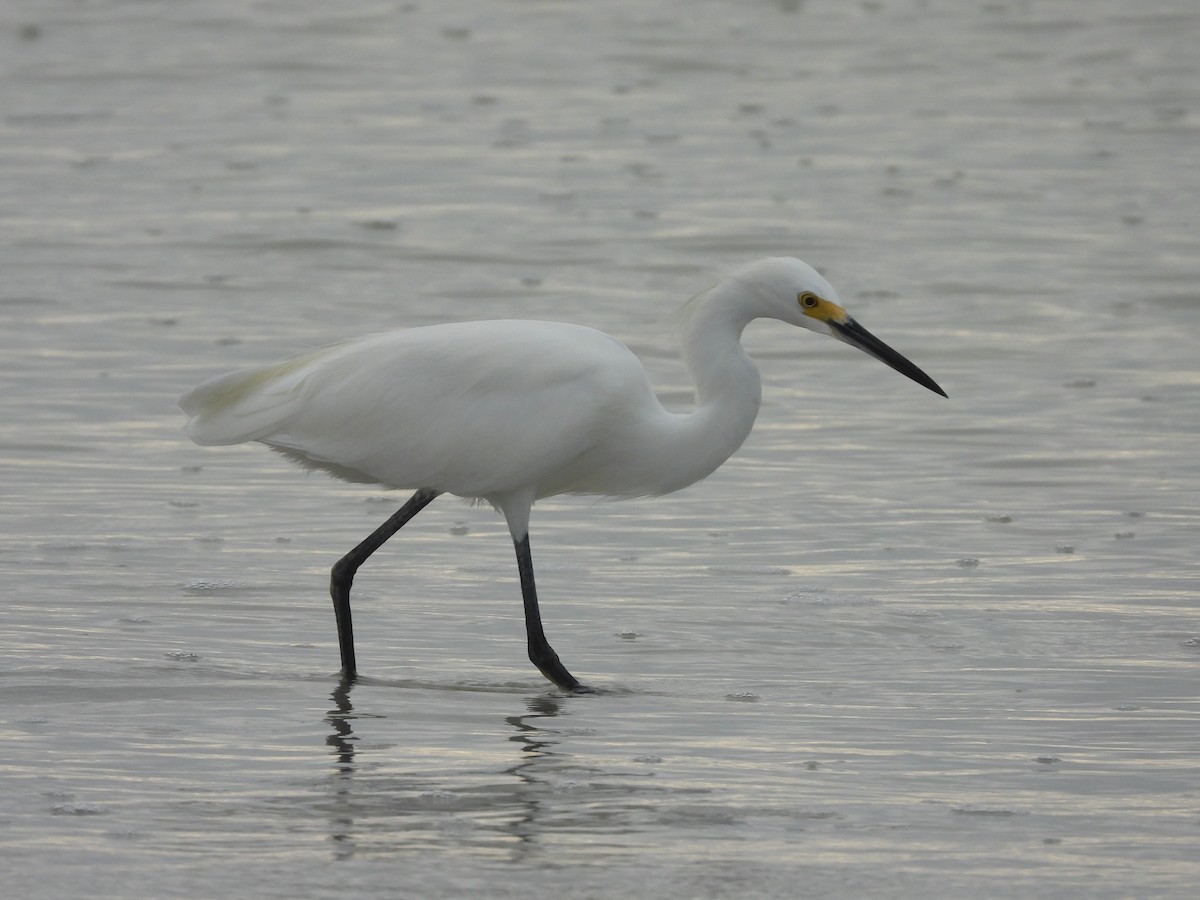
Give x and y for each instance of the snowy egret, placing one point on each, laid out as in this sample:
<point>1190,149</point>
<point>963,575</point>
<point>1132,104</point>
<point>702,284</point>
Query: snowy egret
<point>511,411</point>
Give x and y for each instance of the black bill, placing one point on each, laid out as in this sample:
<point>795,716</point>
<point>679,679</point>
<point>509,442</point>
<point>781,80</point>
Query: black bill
<point>854,334</point>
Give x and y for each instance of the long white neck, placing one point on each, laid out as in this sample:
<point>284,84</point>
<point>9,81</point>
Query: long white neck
<point>728,388</point>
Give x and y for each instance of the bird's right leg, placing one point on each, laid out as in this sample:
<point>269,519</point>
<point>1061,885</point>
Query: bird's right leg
<point>541,654</point>
<point>342,576</point>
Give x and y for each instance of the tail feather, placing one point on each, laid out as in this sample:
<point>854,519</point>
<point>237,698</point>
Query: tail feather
<point>242,406</point>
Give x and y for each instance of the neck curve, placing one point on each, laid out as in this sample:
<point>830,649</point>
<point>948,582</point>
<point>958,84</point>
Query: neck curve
<point>728,387</point>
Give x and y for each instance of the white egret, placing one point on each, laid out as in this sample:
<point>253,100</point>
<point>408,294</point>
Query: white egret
<point>511,411</point>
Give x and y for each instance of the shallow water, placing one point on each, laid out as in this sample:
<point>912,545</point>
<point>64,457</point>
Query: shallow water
<point>898,646</point>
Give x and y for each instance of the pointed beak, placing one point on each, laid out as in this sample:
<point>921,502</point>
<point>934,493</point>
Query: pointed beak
<point>855,335</point>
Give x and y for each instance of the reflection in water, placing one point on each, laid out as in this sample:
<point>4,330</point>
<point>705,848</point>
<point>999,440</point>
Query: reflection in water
<point>342,743</point>
<point>524,800</point>
<point>534,739</point>
<point>535,743</point>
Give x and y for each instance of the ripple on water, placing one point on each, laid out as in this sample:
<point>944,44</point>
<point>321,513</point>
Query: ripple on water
<point>215,586</point>
<point>819,598</point>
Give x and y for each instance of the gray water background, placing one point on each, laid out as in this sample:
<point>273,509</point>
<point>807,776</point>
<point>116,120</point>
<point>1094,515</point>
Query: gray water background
<point>899,646</point>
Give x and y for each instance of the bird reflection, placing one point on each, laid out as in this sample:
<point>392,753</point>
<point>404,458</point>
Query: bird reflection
<point>533,769</point>
<point>534,739</point>
<point>341,742</point>
<point>342,739</point>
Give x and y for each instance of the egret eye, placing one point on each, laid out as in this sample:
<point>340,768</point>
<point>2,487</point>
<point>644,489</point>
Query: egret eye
<point>809,300</point>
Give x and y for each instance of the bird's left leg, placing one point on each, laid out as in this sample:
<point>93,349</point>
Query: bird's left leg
<point>541,654</point>
<point>342,576</point>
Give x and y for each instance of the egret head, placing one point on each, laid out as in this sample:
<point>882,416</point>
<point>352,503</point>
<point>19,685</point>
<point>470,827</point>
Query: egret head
<point>795,292</point>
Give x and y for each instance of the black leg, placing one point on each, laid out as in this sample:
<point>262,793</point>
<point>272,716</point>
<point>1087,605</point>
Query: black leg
<point>342,575</point>
<point>541,654</point>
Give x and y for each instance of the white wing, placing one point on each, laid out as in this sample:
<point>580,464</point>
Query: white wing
<point>476,409</point>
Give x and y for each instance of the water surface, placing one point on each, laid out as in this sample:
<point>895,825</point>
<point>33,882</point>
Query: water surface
<point>899,646</point>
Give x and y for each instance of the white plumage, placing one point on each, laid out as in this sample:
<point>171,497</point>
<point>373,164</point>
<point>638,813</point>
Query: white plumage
<point>509,411</point>
<point>434,407</point>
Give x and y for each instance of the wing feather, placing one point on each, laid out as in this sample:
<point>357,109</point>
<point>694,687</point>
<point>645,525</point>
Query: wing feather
<point>473,409</point>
